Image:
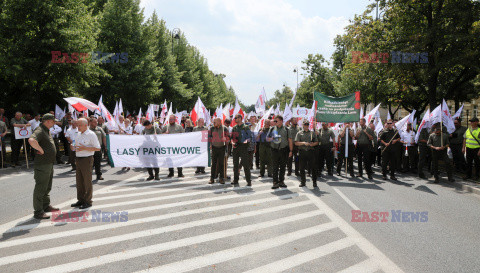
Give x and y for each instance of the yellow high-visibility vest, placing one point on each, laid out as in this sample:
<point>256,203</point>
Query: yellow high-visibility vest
<point>470,141</point>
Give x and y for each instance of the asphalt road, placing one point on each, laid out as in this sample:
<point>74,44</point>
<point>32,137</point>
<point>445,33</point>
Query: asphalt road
<point>181,225</point>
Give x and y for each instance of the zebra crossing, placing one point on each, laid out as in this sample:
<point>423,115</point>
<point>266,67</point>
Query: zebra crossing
<point>187,225</point>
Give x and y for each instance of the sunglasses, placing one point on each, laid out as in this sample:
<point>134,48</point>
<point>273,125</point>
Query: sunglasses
<point>389,123</point>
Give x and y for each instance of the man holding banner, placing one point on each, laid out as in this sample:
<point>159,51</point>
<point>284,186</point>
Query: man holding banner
<point>16,144</point>
<point>173,128</point>
<point>42,142</point>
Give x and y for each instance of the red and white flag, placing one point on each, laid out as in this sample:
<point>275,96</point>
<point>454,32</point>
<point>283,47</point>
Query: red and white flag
<point>369,117</point>
<point>108,117</point>
<point>237,110</point>
<point>424,124</point>
<point>458,114</point>
<point>261,123</point>
<point>447,118</point>
<point>139,115</point>
<point>260,105</point>
<point>150,113</point>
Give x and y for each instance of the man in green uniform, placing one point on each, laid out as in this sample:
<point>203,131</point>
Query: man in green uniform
<point>42,142</point>
<point>423,151</point>
<point>3,132</point>
<point>471,145</point>
<point>293,130</point>
<point>241,138</point>
<point>282,148</point>
<point>200,127</point>
<point>173,128</point>
<point>456,145</point>
<point>342,149</point>
<point>102,139</point>
<point>439,144</point>
<point>326,139</point>
<point>265,150</point>
<point>388,139</point>
<point>306,140</point>
<point>364,137</point>
<point>101,124</point>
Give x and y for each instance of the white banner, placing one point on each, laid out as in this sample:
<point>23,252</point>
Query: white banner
<point>301,112</point>
<point>156,107</point>
<point>21,133</point>
<point>159,151</point>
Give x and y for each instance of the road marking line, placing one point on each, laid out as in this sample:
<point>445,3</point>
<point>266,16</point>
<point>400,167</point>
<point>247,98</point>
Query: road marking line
<point>144,233</point>
<point>144,209</point>
<point>232,253</point>
<point>349,202</point>
<point>368,248</point>
<point>13,224</point>
<point>304,257</point>
<point>137,221</point>
<point>366,266</point>
<point>241,251</point>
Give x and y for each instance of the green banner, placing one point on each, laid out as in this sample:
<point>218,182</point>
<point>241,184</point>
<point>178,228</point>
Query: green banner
<point>342,109</point>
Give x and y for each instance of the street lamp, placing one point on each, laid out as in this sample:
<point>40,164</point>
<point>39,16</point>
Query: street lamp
<point>295,70</point>
<point>285,92</point>
<point>175,35</point>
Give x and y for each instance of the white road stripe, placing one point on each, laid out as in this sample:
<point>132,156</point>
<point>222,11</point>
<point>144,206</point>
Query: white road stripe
<point>167,179</point>
<point>137,221</point>
<point>13,224</point>
<point>141,234</point>
<point>241,251</point>
<point>128,254</point>
<point>304,257</point>
<point>148,208</point>
<point>349,202</point>
<point>368,248</point>
<point>364,267</point>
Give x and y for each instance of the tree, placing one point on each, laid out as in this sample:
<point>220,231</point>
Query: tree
<point>137,81</point>
<point>29,31</point>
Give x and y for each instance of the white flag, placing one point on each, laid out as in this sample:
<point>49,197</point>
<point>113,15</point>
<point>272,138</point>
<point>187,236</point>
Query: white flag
<point>287,114</point>
<point>372,114</point>
<point>388,115</point>
<point>424,124</point>
<point>261,123</point>
<point>436,115</point>
<point>260,105</point>
<point>458,114</point>
<point>402,123</point>
<point>59,113</point>
<point>139,115</point>
<point>447,118</point>
<point>361,112</point>
<point>120,107</point>
<point>108,117</point>
<point>150,113</point>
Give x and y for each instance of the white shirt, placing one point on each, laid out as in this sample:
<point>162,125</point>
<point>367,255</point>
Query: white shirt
<point>139,128</point>
<point>71,133</point>
<point>55,130</point>
<point>87,139</point>
<point>408,138</point>
<point>34,124</point>
<point>129,130</point>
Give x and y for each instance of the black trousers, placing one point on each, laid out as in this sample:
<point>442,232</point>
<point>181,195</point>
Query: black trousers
<point>179,171</point>
<point>423,156</point>
<point>257,155</point>
<point>279,162</point>
<point>307,160</point>
<point>150,171</point>
<point>472,157</point>
<point>409,161</point>
<point>4,152</point>
<point>97,158</point>
<point>441,155</point>
<point>16,145</point>
<point>57,146</point>
<point>218,160</point>
<point>293,158</point>
<point>325,155</point>
<point>389,159</point>
<point>241,152</point>
<point>66,144</point>
<point>363,154</point>
<point>458,157</point>
<point>341,158</point>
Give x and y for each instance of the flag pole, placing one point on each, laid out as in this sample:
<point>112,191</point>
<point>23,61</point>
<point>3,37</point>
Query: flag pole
<point>1,151</point>
<point>25,151</point>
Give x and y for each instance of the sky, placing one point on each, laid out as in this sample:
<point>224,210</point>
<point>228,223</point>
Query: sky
<point>258,43</point>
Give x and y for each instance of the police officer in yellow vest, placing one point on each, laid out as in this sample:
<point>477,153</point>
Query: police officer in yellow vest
<point>471,145</point>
